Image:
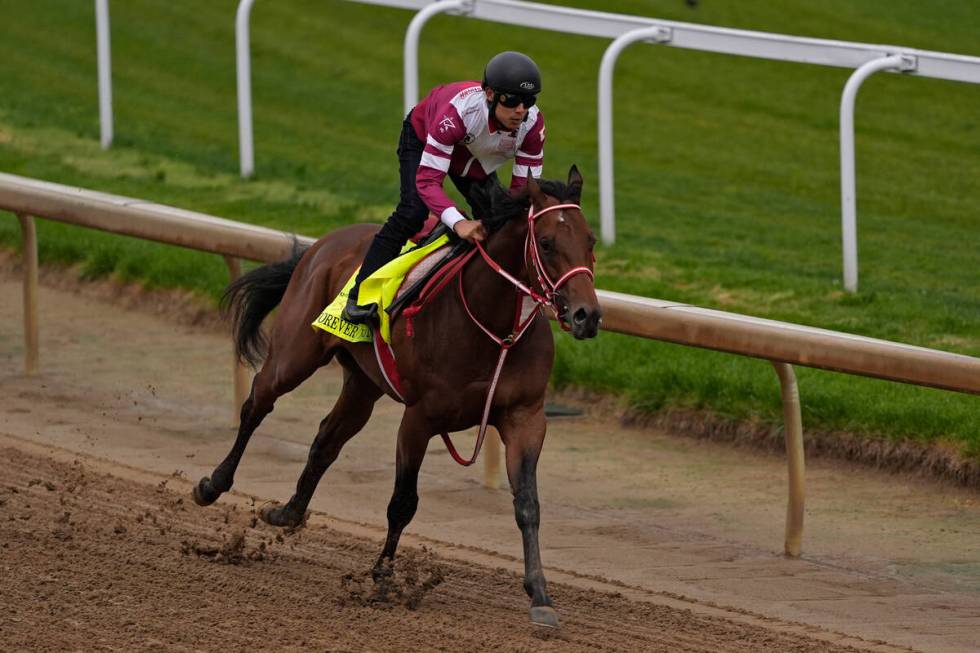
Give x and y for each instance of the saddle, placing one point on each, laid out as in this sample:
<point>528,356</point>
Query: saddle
<point>398,284</point>
<point>428,268</point>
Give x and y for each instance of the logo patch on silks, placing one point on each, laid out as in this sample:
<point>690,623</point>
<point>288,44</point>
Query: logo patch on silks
<point>507,144</point>
<point>446,124</point>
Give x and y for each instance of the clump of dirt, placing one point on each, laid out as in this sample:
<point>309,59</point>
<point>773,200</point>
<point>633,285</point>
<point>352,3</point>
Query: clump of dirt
<point>404,581</point>
<point>237,545</point>
<point>234,549</point>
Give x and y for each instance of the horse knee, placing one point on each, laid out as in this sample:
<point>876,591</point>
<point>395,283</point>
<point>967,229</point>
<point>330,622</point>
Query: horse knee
<point>527,511</point>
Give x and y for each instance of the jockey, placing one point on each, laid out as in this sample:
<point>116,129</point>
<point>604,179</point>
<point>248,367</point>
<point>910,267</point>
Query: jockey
<point>466,130</point>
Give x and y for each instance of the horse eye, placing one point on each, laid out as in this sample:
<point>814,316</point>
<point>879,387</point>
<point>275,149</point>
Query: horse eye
<point>546,245</point>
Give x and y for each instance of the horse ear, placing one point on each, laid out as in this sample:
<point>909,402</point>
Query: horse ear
<point>574,184</point>
<point>534,191</point>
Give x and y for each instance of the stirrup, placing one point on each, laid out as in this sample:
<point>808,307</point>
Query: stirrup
<point>357,314</point>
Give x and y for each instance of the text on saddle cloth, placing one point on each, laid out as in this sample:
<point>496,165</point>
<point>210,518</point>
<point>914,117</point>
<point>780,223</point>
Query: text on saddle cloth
<point>381,288</point>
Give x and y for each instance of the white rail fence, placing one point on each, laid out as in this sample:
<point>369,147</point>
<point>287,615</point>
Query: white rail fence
<point>105,71</point>
<point>625,30</point>
<point>781,343</point>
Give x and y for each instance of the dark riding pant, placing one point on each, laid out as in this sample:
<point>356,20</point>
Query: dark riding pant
<point>410,214</point>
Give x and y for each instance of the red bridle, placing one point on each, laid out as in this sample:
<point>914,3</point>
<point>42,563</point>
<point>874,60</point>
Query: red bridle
<point>532,257</point>
<point>547,297</point>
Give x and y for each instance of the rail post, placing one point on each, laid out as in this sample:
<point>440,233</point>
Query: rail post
<point>243,66</point>
<point>105,71</point>
<point>243,377</point>
<point>848,192</point>
<point>793,424</point>
<point>31,339</point>
<point>411,53</point>
<point>607,212</point>
<point>491,460</point>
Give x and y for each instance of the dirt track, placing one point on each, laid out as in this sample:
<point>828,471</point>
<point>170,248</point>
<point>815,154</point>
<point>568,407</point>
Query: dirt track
<point>889,563</point>
<point>97,562</point>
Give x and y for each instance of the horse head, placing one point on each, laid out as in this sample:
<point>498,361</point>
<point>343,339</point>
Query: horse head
<point>558,254</point>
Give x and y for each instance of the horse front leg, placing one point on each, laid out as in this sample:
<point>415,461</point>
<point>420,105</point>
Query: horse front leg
<point>413,439</point>
<point>522,432</point>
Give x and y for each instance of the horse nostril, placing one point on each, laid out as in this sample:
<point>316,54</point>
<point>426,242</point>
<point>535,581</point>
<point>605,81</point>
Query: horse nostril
<point>580,316</point>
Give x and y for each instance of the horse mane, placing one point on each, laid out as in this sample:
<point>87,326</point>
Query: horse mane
<point>495,206</point>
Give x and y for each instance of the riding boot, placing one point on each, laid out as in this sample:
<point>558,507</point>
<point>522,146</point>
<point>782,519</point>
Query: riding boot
<point>357,314</point>
<point>385,247</point>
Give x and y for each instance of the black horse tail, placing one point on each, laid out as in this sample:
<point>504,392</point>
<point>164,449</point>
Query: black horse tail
<point>251,297</point>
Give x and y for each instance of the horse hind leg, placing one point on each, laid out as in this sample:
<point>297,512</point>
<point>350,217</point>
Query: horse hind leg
<point>275,379</point>
<point>348,417</point>
<point>413,439</point>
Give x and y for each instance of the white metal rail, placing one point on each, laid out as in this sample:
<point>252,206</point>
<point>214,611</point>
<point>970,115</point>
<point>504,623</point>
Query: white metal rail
<point>848,189</point>
<point>412,34</point>
<point>243,68</point>
<point>105,71</point>
<point>624,29</point>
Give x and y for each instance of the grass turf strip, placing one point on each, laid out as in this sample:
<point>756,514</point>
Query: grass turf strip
<point>726,170</point>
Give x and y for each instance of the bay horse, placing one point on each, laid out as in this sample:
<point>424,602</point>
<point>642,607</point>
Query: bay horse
<point>537,235</point>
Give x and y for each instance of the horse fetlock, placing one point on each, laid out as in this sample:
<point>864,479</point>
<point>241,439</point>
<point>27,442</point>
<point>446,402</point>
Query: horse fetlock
<point>381,571</point>
<point>536,588</point>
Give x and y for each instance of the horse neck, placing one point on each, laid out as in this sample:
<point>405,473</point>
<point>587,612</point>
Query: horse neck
<point>490,296</point>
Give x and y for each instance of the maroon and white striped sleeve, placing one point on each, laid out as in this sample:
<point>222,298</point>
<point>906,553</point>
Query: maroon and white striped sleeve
<point>444,131</point>
<point>530,154</point>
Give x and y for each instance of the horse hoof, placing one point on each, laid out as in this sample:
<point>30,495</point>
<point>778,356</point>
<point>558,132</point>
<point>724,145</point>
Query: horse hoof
<point>544,616</point>
<point>204,494</point>
<point>275,514</point>
<point>269,513</point>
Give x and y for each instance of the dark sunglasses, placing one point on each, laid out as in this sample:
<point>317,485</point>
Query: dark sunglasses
<point>511,100</point>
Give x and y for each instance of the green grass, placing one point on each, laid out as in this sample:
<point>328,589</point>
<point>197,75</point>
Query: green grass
<point>726,170</point>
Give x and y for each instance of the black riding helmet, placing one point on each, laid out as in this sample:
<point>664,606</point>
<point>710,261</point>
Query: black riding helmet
<point>512,74</point>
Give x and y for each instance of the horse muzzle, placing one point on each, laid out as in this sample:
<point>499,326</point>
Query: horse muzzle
<point>585,322</point>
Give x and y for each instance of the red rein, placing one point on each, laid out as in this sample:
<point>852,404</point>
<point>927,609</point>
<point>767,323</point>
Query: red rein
<point>547,297</point>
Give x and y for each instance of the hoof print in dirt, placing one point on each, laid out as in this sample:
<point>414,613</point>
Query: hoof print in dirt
<point>403,582</point>
<point>234,550</point>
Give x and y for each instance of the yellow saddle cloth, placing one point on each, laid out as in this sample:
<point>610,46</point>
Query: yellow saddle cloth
<point>380,288</point>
